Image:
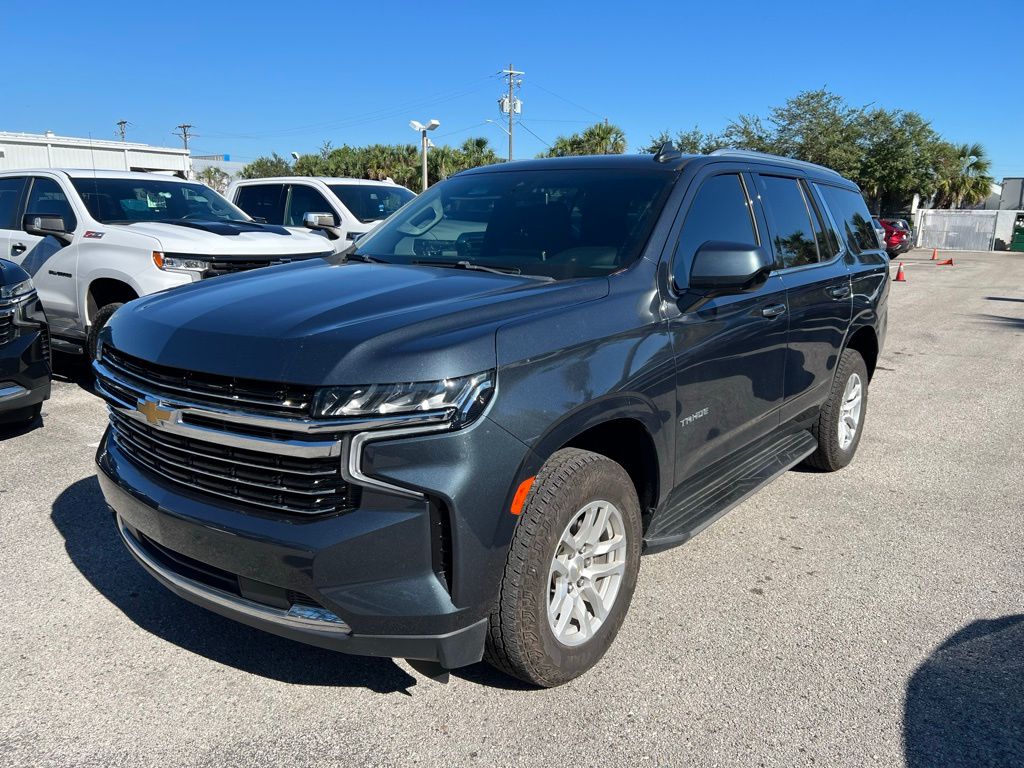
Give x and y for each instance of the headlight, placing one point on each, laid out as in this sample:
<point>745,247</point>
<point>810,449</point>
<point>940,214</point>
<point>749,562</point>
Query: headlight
<point>17,290</point>
<point>178,264</point>
<point>458,400</point>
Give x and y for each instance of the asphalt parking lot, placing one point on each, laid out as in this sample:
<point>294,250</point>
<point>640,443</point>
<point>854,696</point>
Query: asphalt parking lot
<point>869,617</point>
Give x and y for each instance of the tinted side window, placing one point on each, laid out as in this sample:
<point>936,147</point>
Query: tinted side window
<point>786,207</point>
<point>306,200</point>
<point>10,196</point>
<point>828,243</point>
<point>720,211</point>
<point>47,197</point>
<point>851,214</point>
<point>264,201</point>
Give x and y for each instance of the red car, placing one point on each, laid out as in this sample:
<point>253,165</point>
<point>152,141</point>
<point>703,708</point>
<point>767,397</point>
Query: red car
<point>897,237</point>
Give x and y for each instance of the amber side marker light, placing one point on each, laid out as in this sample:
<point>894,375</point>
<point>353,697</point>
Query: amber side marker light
<point>521,493</point>
<point>158,259</point>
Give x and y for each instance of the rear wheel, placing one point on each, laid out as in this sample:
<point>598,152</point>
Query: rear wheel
<point>571,570</point>
<point>102,316</point>
<point>841,419</point>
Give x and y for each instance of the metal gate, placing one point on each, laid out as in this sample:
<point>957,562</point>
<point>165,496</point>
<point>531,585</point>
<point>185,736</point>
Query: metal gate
<point>956,230</point>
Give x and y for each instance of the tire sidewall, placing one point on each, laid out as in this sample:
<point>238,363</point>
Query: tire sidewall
<point>102,316</point>
<point>853,364</point>
<point>610,483</point>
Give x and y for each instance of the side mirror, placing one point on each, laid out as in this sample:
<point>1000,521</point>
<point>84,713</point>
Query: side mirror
<point>318,220</point>
<point>722,269</point>
<point>46,224</point>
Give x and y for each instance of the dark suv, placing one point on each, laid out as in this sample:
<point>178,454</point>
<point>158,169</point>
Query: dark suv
<point>24,348</point>
<point>456,439</point>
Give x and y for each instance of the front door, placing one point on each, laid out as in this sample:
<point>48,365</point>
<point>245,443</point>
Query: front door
<point>730,351</point>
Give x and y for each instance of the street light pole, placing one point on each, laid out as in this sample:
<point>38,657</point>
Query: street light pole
<point>416,125</point>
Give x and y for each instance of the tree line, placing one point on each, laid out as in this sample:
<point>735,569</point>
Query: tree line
<point>892,154</point>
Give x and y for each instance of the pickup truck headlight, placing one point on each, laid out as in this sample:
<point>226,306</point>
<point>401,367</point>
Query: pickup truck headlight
<point>178,264</point>
<point>17,290</point>
<point>459,401</point>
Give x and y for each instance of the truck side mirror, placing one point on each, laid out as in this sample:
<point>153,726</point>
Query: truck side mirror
<point>46,225</point>
<point>323,222</point>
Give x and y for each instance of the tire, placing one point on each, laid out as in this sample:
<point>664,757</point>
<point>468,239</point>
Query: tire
<point>835,451</point>
<point>102,316</point>
<point>522,641</point>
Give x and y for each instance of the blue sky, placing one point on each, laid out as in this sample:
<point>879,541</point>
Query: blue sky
<point>260,76</point>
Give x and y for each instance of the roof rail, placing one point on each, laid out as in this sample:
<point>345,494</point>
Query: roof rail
<point>774,158</point>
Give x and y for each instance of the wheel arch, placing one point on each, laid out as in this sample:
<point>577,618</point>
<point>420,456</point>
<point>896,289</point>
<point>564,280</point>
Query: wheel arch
<point>864,340</point>
<point>103,289</point>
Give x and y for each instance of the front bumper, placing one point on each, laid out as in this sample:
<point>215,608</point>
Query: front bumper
<point>373,581</point>
<point>24,365</point>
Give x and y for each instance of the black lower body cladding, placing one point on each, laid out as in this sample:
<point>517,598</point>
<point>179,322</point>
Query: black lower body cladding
<point>397,576</point>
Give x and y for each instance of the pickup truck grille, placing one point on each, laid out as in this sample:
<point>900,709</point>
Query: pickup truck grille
<point>249,479</point>
<point>227,265</point>
<point>137,377</point>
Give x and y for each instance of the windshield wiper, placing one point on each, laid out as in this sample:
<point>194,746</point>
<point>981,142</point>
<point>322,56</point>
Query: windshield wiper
<point>350,254</point>
<point>468,265</point>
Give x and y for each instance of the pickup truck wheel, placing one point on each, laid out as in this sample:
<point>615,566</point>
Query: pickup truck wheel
<point>104,313</point>
<point>841,419</point>
<point>570,573</point>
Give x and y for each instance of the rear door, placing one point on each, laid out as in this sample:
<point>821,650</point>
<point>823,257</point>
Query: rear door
<point>817,283</point>
<point>730,351</point>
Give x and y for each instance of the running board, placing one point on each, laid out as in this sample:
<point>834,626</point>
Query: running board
<point>67,346</point>
<point>726,484</point>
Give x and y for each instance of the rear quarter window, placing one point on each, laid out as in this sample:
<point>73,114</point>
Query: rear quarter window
<point>851,214</point>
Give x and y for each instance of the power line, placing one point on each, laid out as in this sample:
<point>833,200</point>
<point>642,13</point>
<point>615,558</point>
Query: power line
<point>527,129</point>
<point>567,101</point>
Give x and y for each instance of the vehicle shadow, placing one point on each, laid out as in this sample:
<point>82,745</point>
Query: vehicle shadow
<point>73,369</point>
<point>1011,323</point>
<point>8,431</point>
<point>965,703</point>
<point>81,516</point>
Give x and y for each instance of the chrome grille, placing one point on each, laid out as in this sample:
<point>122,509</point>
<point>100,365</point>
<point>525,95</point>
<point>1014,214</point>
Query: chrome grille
<point>248,478</point>
<point>6,326</point>
<point>220,391</point>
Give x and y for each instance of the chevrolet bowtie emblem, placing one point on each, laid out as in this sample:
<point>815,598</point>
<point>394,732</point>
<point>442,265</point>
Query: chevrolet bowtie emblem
<point>151,409</point>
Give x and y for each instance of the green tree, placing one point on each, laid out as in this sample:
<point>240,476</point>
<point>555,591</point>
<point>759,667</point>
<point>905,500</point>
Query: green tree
<point>263,167</point>
<point>599,139</point>
<point>897,158</point>
<point>692,142</point>
<point>214,177</point>
<point>819,127</point>
<point>963,175</point>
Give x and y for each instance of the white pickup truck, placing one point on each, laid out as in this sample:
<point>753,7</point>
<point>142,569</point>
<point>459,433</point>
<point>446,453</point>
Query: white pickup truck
<point>93,240</point>
<point>342,208</point>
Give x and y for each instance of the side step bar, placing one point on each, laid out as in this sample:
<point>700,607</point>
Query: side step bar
<point>724,485</point>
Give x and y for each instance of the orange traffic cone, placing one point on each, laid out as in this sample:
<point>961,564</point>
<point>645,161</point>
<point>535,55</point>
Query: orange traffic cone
<point>900,277</point>
<point>935,253</point>
<point>947,263</point>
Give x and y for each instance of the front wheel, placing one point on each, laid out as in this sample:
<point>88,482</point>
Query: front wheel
<point>571,570</point>
<point>841,419</point>
<point>102,316</point>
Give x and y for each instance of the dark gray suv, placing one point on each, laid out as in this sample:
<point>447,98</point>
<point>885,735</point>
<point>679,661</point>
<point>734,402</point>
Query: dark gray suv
<point>455,440</point>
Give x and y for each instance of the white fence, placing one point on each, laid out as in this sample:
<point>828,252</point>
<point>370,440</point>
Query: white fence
<point>956,230</point>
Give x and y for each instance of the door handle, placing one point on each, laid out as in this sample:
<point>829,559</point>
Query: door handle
<point>773,310</point>
<point>17,248</point>
<point>839,291</point>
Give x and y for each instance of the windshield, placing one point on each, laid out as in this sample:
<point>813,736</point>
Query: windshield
<point>371,202</point>
<point>555,223</point>
<point>125,201</point>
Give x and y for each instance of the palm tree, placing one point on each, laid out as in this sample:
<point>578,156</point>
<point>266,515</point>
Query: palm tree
<point>599,139</point>
<point>963,176</point>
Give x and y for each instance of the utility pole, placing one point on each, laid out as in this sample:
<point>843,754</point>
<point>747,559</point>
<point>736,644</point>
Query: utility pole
<point>185,133</point>
<point>122,128</point>
<point>510,103</point>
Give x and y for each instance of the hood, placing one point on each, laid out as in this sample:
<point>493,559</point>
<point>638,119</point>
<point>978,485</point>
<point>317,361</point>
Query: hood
<point>207,238</point>
<point>11,273</point>
<point>323,322</point>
